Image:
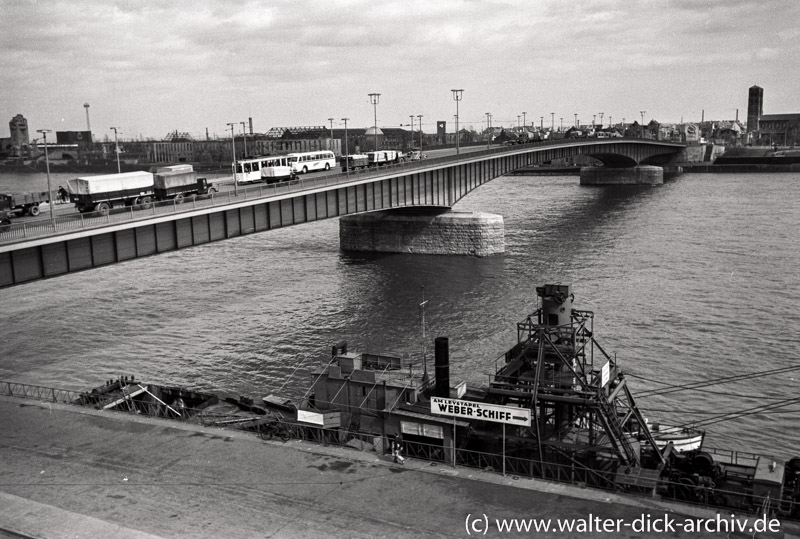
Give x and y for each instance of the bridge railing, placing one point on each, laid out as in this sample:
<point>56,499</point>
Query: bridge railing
<point>19,231</point>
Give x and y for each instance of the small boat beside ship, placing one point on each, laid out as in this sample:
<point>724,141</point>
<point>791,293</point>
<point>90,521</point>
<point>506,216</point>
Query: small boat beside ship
<point>681,438</point>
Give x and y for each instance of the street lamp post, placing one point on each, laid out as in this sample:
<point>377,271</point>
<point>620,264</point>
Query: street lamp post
<point>331,142</point>
<point>560,129</point>
<point>375,99</point>
<point>244,137</point>
<point>576,119</point>
<point>641,128</point>
<point>419,116</point>
<point>488,133</point>
<point>610,122</point>
<point>524,123</point>
<point>458,94</point>
<point>232,125</point>
<point>552,122</point>
<point>346,148</point>
<point>116,148</point>
<point>412,130</point>
<point>541,123</point>
<point>601,119</point>
<point>44,133</point>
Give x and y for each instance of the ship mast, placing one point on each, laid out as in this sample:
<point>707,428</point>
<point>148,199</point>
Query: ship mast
<point>422,323</point>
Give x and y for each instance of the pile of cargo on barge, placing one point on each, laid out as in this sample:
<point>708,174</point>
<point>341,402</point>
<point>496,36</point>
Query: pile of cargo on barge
<point>558,408</point>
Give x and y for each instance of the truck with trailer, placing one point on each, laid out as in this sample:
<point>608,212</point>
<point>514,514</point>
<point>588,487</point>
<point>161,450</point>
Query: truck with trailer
<point>104,192</point>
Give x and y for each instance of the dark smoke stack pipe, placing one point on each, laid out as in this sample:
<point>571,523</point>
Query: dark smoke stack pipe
<point>442,345</point>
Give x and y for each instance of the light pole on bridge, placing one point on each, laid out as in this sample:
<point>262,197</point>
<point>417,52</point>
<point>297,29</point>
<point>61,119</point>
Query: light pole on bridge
<point>116,149</point>
<point>561,129</point>
<point>641,129</point>
<point>346,149</point>
<point>412,131</point>
<point>420,135</point>
<point>375,99</point>
<point>44,133</point>
<point>458,94</point>
<point>524,123</point>
<point>576,119</point>
<point>331,121</point>
<point>541,123</point>
<point>552,122</point>
<point>601,119</point>
<point>488,132</point>
<point>232,125</point>
<point>244,137</point>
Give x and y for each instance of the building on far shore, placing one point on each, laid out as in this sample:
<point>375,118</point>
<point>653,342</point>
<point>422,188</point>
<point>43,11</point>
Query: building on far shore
<point>782,129</point>
<point>770,129</point>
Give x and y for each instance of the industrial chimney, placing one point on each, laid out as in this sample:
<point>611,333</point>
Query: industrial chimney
<point>442,347</point>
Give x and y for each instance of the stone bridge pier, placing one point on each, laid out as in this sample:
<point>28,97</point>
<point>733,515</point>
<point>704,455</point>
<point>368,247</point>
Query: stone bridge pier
<point>439,231</point>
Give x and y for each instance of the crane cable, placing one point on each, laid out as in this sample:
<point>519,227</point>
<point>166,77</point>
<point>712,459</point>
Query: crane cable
<point>672,388</point>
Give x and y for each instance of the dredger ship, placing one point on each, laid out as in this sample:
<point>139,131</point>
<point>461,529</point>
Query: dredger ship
<point>557,408</point>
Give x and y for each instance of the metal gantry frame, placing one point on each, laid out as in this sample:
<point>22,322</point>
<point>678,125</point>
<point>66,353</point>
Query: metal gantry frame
<point>552,371</point>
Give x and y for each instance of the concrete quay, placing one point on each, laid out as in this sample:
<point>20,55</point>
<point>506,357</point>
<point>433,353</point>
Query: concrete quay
<point>68,471</point>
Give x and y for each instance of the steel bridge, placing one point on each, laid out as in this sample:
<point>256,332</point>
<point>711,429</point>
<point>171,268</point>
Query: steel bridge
<point>44,248</point>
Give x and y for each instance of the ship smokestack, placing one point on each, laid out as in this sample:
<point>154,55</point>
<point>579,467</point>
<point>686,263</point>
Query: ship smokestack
<point>442,346</point>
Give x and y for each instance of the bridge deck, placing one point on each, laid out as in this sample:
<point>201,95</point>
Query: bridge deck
<point>41,248</point>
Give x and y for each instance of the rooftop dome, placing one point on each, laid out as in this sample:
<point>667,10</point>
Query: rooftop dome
<point>372,131</point>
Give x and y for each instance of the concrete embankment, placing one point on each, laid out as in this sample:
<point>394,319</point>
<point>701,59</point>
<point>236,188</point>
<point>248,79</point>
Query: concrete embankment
<point>76,472</point>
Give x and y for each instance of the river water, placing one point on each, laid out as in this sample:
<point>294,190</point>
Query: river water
<point>691,281</point>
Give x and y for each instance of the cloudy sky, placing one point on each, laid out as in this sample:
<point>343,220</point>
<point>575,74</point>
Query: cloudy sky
<point>154,66</point>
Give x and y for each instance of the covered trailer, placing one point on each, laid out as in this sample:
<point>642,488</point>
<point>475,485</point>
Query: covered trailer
<point>103,192</point>
<point>173,168</point>
<point>354,161</point>
<point>384,157</point>
<point>180,184</point>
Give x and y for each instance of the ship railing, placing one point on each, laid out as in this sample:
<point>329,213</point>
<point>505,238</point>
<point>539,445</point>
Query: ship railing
<point>738,501</point>
<point>728,456</point>
<point>40,393</point>
<point>572,473</point>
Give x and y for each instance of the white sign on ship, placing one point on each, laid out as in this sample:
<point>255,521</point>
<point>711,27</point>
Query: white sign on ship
<point>510,415</point>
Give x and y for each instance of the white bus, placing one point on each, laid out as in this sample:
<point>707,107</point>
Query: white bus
<point>263,169</point>
<point>308,161</point>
